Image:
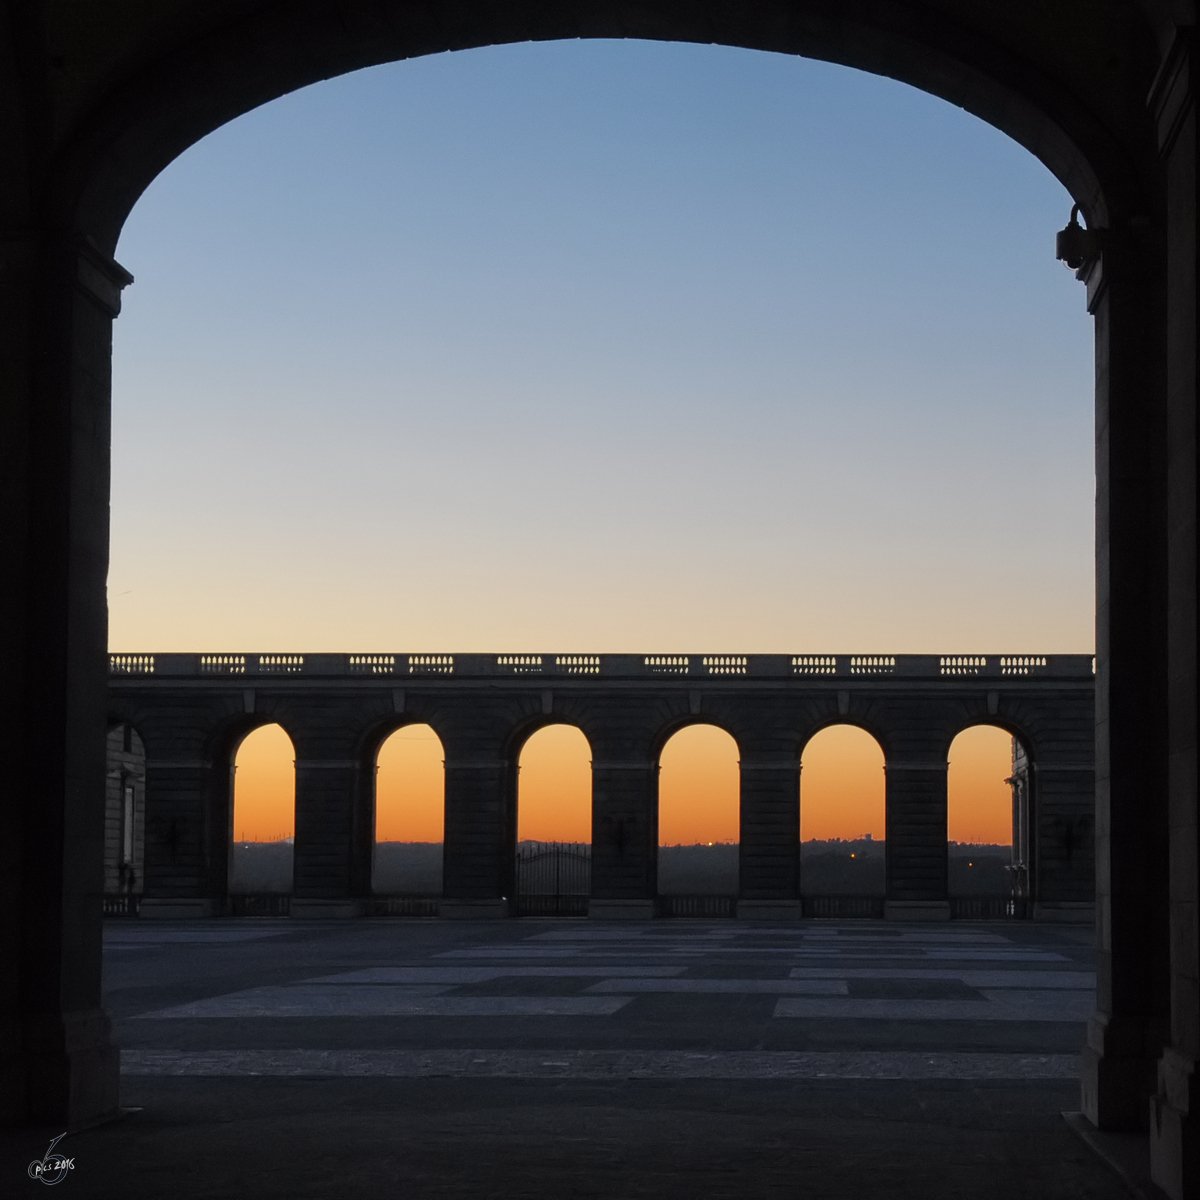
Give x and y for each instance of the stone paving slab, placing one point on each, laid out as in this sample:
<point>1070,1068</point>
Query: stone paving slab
<point>487,974</point>
<point>714,987</point>
<point>691,1089</point>
<point>599,1064</point>
<point>1070,980</point>
<point>995,1005</point>
<point>365,1000</point>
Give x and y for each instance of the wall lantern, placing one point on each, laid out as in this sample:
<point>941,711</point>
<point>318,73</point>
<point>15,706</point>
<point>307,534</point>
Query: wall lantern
<point>1076,245</point>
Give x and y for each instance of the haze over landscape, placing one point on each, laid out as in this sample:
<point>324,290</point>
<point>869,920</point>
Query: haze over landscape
<point>605,347</point>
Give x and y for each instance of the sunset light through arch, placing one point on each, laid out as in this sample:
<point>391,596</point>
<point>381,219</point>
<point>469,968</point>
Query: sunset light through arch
<point>410,786</point>
<point>843,786</point>
<point>264,786</point>
<point>554,786</point>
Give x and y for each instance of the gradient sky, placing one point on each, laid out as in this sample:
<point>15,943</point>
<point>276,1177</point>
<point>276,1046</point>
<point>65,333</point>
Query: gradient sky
<point>264,786</point>
<point>842,786</point>
<point>410,787</point>
<point>698,785</point>
<point>554,786</point>
<point>602,346</point>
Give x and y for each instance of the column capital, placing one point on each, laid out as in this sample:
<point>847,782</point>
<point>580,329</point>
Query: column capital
<point>100,277</point>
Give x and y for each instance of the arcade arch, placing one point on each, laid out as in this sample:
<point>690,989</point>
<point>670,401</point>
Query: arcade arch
<point>982,802</point>
<point>263,822</point>
<point>410,813</point>
<point>1081,107</point>
<point>553,825</point>
<point>699,812</point>
<point>843,813</point>
<point>554,786</point>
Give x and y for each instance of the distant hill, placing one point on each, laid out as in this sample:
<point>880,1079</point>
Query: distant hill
<point>857,868</point>
<point>698,870</point>
<point>977,869</point>
<point>407,869</point>
<point>837,867</point>
<point>261,867</point>
<point>827,868</point>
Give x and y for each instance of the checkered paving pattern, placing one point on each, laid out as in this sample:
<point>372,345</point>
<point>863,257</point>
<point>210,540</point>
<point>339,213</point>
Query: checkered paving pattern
<point>670,999</point>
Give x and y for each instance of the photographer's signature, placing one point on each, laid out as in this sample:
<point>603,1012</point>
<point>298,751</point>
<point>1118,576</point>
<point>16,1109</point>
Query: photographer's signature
<point>53,1167</point>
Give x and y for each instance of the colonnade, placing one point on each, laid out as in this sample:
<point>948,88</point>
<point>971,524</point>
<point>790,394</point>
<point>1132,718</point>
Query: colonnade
<point>191,728</point>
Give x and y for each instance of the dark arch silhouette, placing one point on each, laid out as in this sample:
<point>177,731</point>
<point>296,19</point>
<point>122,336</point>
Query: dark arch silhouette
<point>186,95</point>
<point>693,877</point>
<point>86,142</point>
<point>523,741</point>
<point>842,873</point>
<point>859,727</point>
<point>267,867</point>
<point>400,869</point>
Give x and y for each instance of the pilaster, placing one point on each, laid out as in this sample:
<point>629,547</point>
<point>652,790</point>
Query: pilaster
<point>624,833</point>
<point>480,840</point>
<point>1131,1022</point>
<point>57,1058</point>
<point>1175,1106</point>
<point>769,854</point>
<point>917,862</point>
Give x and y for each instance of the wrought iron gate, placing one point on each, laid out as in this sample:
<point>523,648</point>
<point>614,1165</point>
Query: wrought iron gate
<point>554,879</point>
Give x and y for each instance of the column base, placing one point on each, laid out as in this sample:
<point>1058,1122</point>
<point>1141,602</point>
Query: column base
<point>72,1070</point>
<point>769,910</point>
<point>916,910</point>
<point>1174,1129</point>
<point>163,908</point>
<point>305,909</point>
<point>1116,1076</point>
<point>473,910</point>
<point>1081,912</point>
<point>620,910</point>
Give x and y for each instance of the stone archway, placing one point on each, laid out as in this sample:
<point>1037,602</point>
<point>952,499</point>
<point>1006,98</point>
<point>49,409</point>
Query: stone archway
<point>90,122</point>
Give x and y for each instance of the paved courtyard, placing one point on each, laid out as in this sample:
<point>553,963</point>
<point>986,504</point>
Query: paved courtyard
<point>570,1058</point>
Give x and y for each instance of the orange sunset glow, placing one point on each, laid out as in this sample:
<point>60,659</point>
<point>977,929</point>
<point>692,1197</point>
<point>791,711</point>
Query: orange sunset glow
<point>264,786</point>
<point>978,798</point>
<point>698,788</point>
<point>410,787</point>
<point>554,787</point>
<point>842,786</point>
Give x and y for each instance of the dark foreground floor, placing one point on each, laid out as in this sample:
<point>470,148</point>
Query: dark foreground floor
<point>841,1140</point>
<point>542,1059</point>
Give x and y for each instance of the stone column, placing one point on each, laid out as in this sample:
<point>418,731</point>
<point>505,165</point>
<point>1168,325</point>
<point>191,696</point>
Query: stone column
<point>1130,1026</point>
<point>1064,854</point>
<point>917,862</point>
<point>478,872</point>
<point>187,851</point>
<point>58,298</point>
<point>769,860</point>
<point>1175,1114</point>
<point>327,879</point>
<point>624,832</point>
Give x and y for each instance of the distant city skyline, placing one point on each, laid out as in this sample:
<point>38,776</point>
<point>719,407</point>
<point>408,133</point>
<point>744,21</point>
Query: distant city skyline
<point>602,346</point>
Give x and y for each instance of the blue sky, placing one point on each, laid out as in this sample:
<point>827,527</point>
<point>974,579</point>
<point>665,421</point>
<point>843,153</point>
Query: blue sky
<point>602,346</point>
